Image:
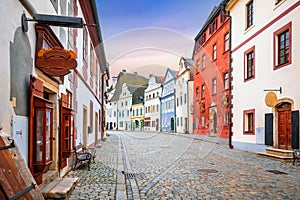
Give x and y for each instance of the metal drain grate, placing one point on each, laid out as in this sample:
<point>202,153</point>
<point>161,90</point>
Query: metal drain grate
<point>134,175</point>
<point>276,172</point>
<point>207,170</point>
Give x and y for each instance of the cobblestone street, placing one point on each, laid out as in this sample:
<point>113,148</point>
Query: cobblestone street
<point>173,166</point>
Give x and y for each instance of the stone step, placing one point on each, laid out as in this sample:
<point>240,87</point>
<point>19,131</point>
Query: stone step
<point>60,188</point>
<point>279,152</point>
<point>275,157</point>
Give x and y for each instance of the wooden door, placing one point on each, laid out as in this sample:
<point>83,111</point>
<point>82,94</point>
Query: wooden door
<point>284,128</point>
<point>11,181</point>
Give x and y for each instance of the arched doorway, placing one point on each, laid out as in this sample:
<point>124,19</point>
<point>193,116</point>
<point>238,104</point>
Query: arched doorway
<point>284,125</point>
<point>213,121</point>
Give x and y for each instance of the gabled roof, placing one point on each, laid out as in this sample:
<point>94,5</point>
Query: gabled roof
<point>159,79</point>
<point>211,17</point>
<point>133,79</point>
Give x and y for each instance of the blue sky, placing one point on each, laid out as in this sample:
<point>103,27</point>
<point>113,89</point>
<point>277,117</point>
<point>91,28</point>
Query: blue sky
<point>127,24</point>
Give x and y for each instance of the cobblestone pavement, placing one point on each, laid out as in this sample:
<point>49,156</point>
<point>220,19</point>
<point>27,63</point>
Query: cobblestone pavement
<point>174,166</point>
<point>101,181</point>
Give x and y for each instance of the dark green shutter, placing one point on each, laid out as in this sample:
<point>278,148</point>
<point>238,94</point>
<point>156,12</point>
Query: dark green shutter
<point>269,129</point>
<point>295,129</point>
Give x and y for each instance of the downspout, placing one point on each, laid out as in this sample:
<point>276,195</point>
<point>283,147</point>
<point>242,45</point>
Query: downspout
<point>229,74</point>
<point>28,6</point>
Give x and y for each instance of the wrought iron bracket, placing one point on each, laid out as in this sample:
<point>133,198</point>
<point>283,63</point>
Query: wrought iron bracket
<point>54,20</point>
<point>12,145</point>
<point>32,186</point>
<point>278,90</point>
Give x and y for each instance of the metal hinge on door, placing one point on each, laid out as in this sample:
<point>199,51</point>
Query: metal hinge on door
<point>32,186</point>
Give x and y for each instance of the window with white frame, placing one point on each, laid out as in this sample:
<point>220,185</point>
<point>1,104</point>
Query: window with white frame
<point>214,51</point>
<point>226,42</point>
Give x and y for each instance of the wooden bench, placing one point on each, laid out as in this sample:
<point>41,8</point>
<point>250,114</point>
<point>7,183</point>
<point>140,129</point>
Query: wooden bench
<point>83,156</point>
<point>296,155</point>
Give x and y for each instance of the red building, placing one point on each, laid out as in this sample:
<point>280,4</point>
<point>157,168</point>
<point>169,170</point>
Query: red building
<point>211,84</point>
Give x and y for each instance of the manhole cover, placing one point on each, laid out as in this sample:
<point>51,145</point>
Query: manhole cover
<point>276,172</point>
<point>134,175</point>
<point>208,170</point>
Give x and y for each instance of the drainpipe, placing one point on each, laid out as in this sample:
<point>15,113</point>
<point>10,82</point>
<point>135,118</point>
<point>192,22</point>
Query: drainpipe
<point>229,74</point>
<point>28,6</point>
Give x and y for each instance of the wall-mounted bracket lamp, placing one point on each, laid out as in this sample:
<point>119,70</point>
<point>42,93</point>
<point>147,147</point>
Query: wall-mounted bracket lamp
<point>54,20</point>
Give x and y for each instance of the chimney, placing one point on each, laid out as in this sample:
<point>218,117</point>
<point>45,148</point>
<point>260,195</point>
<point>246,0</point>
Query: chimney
<point>124,70</point>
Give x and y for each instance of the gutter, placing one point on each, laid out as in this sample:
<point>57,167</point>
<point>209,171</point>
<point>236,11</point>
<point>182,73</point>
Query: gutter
<point>229,74</point>
<point>28,6</point>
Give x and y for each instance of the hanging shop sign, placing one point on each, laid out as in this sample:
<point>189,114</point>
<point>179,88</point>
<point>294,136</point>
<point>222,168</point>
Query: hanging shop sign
<point>56,61</point>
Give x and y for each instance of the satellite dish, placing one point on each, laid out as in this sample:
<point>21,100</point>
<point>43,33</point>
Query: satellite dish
<point>271,99</point>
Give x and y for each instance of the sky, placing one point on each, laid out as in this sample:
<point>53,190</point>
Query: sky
<point>149,36</point>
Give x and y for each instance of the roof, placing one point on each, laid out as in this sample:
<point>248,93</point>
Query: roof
<point>131,79</point>
<point>211,17</point>
<point>159,79</point>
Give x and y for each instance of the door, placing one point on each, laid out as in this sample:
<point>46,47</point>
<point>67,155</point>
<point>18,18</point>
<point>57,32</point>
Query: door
<point>84,127</point>
<point>186,125</point>
<point>172,125</point>
<point>96,128</point>
<point>11,181</point>
<point>284,128</point>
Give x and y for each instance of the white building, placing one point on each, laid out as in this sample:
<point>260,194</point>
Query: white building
<point>124,105</point>
<point>49,109</point>
<point>111,107</point>
<point>152,103</point>
<point>265,54</point>
<point>184,89</point>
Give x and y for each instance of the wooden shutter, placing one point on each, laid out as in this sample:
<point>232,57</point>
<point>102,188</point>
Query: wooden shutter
<point>11,181</point>
<point>295,129</point>
<point>269,129</point>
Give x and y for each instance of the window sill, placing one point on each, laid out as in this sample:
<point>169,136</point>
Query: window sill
<point>249,28</point>
<point>249,133</point>
<point>282,65</point>
<point>249,79</point>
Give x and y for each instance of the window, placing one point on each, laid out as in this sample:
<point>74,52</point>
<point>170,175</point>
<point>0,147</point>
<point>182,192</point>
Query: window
<point>249,121</point>
<point>214,86</point>
<point>85,44</point>
<point>249,16</point>
<point>197,93</point>
<point>215,52</point>
<point>203,91</point>
<point>203,121</point>
<point>177,101</point>
<point>226,81</point>
<point>141,111</point>
<point>132,112</point>
<point>203,61</point>
<point>282,47</point>
<point>226,42</point>
<point>91,114</point>
<point>115,113</point>
<point>137,112</point>
<point>249,63</point>
<point>169,104</point>
<point>181,121</point>
<point>202,38</point>
<point>185,98</point>
<point>177,121</point>
<point>157,108</point>
<point>181,100</point>
<point>198,65</point>
<point>226,118</point>
<point>213,26</point>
